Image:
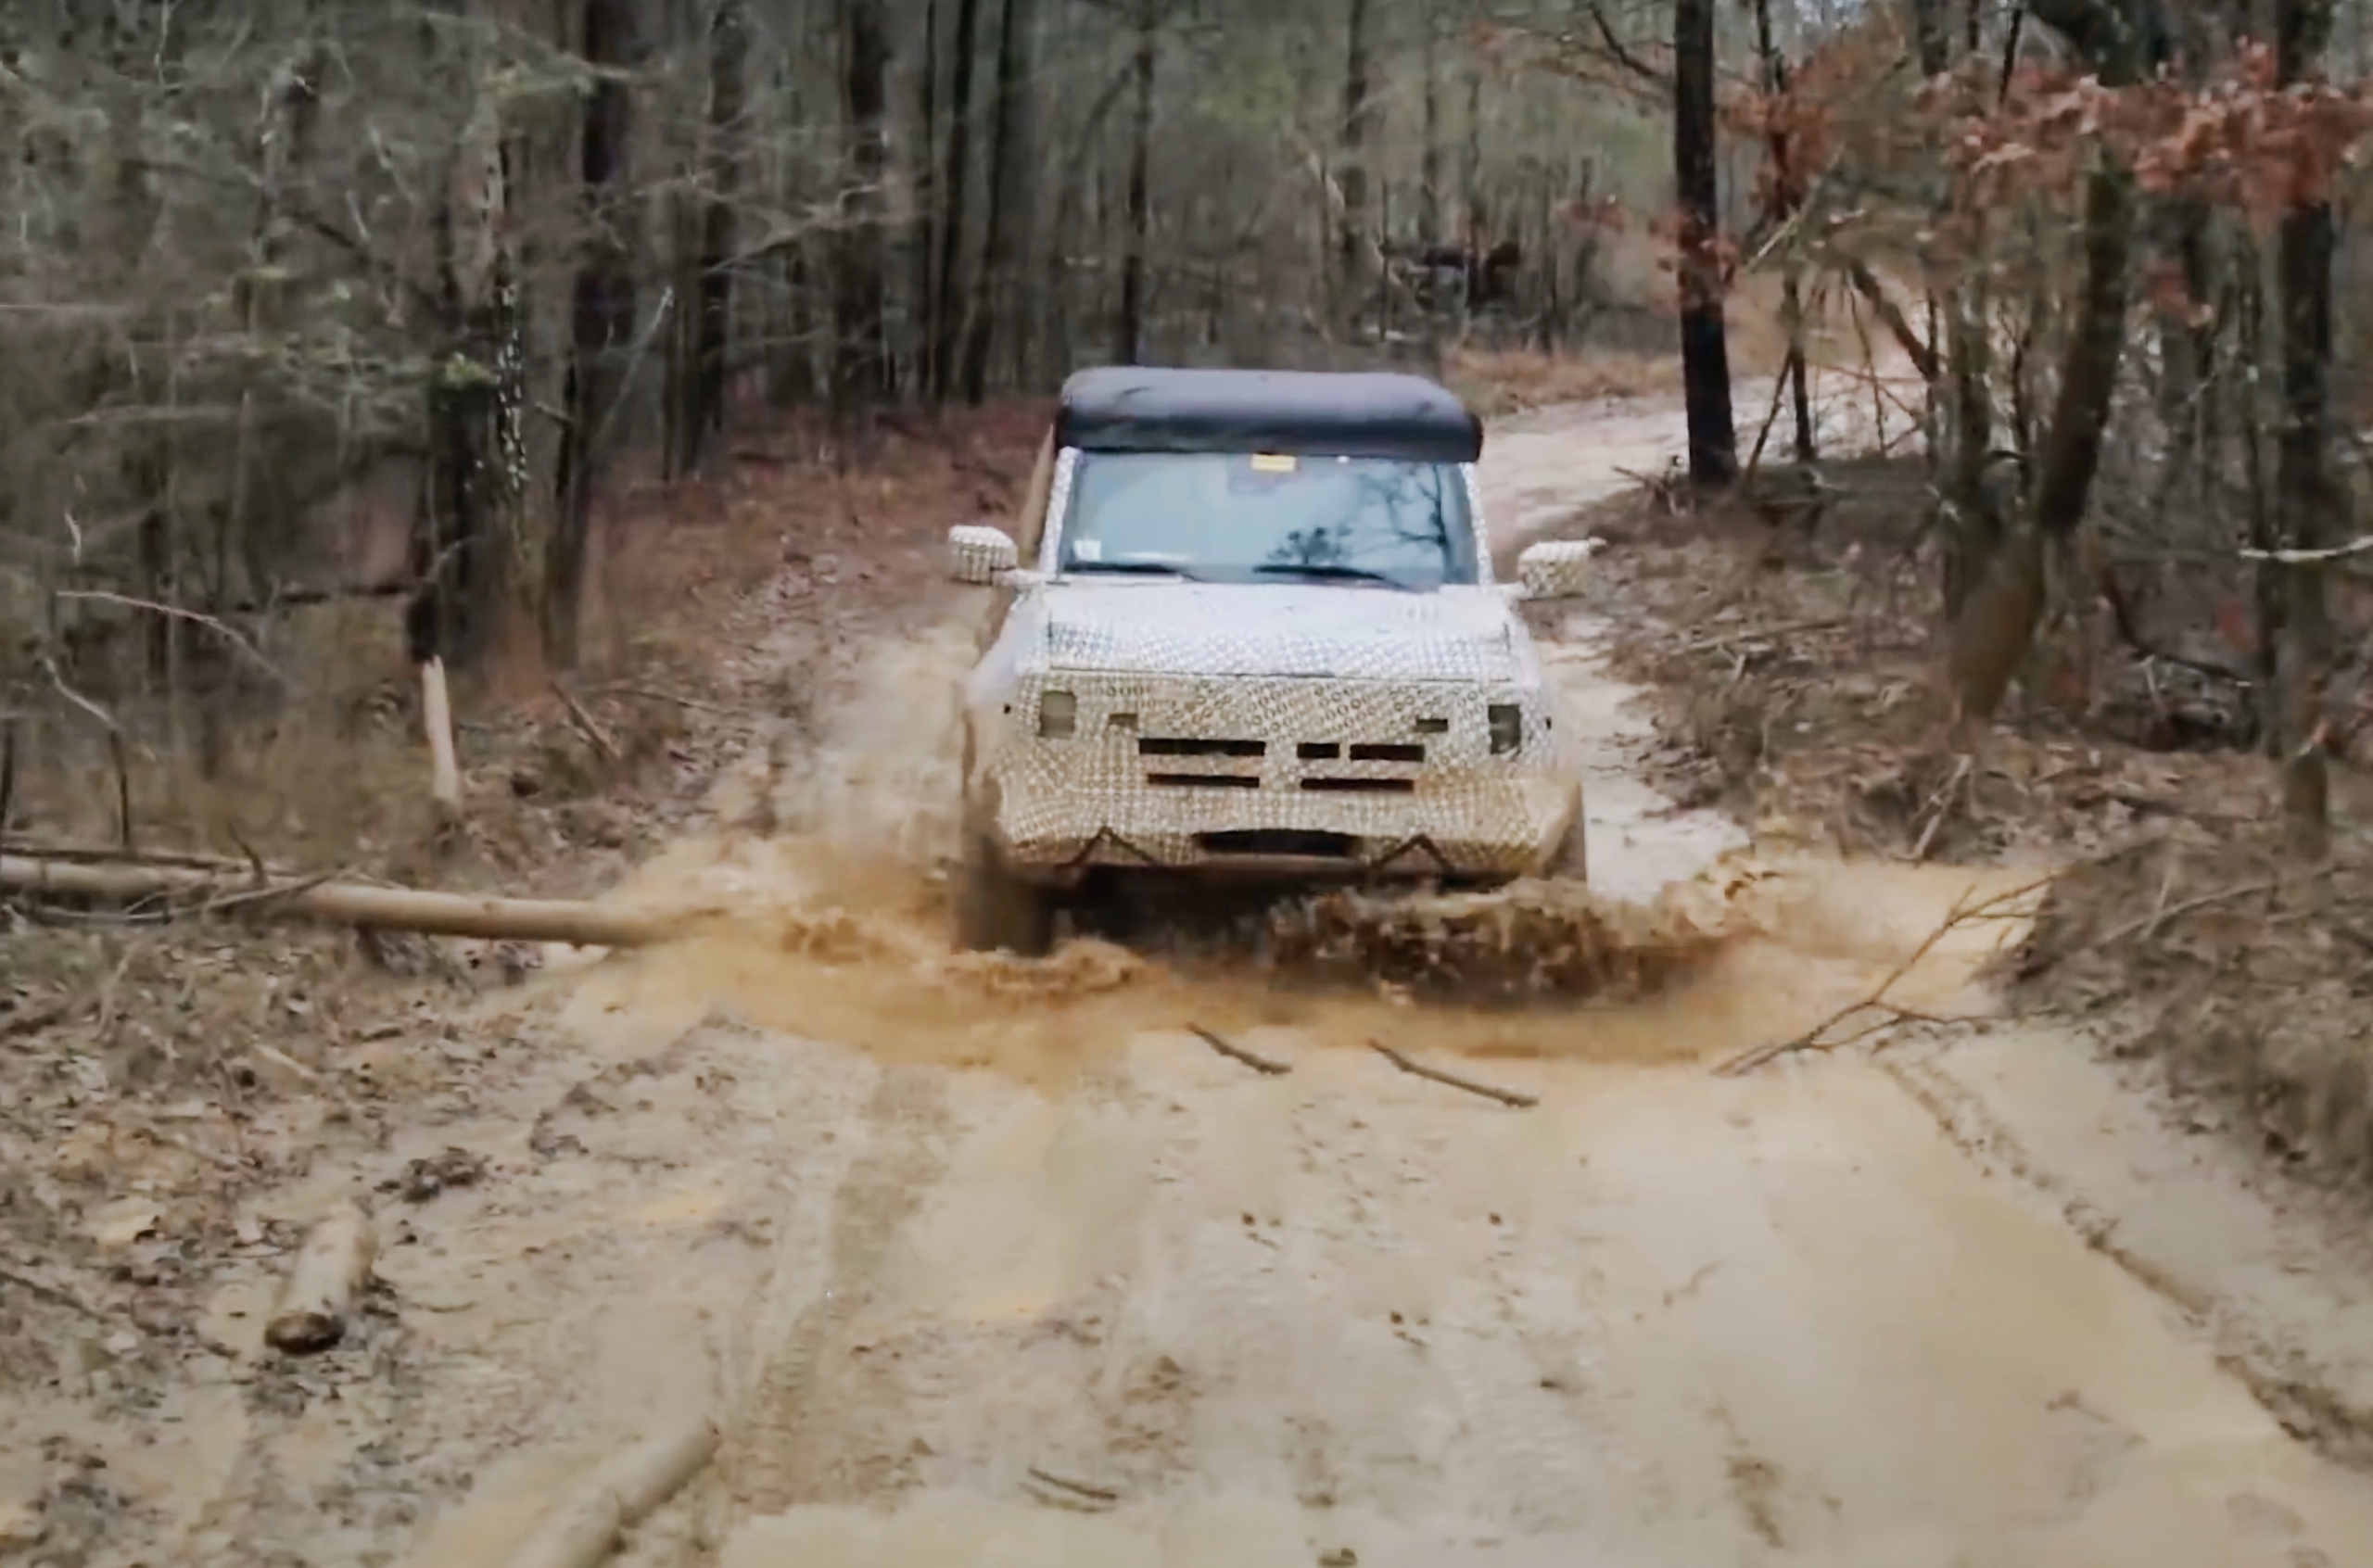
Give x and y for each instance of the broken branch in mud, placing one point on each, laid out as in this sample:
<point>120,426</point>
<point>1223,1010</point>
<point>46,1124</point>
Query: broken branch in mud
<point>1520,1100</point>
<point>586,1528</point>
<point>575,922</point>
<point>604,747</point>
<point>331,1270</point>
<point>1963,913</point>
<point>1104,1495</point>
<point>1234,1052</point>
<point>1750,634</point>
<point>57,1296</point>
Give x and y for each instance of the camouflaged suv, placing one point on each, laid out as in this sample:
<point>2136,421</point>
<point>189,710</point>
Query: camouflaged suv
<point>1249,628</point>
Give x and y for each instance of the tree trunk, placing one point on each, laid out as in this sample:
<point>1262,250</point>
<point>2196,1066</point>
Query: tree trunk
<point>2305,500</point>
<point>1128,338</point>
<point>1705,349</point>
<point>1429,168</point>
<point>1009,163</point>
<point>1995,625</point>
<point>927,213</point>
<point>477,444</point>
<point>955,187</point>
<point>1352,239</point>
<point>861,363</point>
<point>711,307</point>
<point>601,322</point>
<point>1470,165</point>
<point>1787,197</point>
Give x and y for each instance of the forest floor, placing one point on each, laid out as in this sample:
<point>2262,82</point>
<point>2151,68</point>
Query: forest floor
<point>974,1261</point>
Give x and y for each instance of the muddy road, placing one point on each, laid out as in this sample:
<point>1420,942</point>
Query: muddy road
<point>978,1262</point>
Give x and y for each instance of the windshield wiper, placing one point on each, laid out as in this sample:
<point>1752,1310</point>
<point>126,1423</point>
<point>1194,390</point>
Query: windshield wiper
<point>1142,568</point>
<point>1340,574</point>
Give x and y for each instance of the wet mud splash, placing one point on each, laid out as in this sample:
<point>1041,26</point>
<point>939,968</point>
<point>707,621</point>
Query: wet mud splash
<point>829,877</point>
<point>813,944</point>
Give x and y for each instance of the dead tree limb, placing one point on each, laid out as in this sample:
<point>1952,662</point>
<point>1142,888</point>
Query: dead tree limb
<point>331,1270</point>
<point>1520,1100</point>
<point>584,1529</point>
<point>1234,1052</point>
<point>579,923</point>
<point>1963,913</point>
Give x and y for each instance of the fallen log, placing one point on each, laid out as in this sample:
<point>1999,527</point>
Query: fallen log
<point>574,921</point>
<point>585,1529</point>
<point>331,1272</point>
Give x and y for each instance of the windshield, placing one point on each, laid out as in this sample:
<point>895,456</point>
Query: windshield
<point>1242,518</point>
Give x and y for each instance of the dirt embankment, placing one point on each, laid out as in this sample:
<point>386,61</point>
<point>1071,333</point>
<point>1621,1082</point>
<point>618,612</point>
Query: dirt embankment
<point>1794,681</point>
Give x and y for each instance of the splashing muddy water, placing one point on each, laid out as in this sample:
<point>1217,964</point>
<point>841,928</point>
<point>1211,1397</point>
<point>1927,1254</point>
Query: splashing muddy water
<point>834,923</point>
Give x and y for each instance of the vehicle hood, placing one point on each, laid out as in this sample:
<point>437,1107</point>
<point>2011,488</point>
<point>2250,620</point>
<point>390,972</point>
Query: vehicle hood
<point>1279,629</point>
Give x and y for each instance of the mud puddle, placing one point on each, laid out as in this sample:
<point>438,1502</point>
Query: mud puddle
<point>829,883</point>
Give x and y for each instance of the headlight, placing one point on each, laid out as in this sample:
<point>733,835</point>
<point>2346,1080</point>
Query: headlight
<point>1058,715</point>
<point>1506,726</point>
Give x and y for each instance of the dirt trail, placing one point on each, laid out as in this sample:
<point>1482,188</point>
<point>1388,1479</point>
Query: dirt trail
<point>990,1263</point>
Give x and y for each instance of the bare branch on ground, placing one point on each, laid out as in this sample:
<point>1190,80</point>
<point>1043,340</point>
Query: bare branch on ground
<point>1517,1098</point>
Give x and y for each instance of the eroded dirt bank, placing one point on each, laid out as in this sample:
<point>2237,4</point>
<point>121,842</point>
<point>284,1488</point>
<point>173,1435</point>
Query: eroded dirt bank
<point>978,1262</point>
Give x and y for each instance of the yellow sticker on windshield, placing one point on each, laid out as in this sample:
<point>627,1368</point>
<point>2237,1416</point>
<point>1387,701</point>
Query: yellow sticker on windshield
<point>1272,463</point>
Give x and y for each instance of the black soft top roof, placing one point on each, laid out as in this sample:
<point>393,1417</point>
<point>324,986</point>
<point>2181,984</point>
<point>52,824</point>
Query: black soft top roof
<point>1134,408</point>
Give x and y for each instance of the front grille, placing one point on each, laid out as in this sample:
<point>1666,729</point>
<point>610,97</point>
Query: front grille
<point>1183,746</point>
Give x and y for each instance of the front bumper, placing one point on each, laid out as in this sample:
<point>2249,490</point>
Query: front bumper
<point>1271,778</point>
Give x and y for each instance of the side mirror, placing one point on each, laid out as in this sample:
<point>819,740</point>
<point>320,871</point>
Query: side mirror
<point>977,553</point>
<point>1555,568</point>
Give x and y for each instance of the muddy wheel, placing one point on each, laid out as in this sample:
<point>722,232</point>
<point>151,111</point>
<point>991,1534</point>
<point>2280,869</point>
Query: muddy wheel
<point>995,909</point>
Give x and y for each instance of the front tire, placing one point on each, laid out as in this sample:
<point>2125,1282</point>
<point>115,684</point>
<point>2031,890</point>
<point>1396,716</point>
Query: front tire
<point>996,911</point>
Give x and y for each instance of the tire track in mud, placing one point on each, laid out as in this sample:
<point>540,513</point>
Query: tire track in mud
<point>815,1431</point>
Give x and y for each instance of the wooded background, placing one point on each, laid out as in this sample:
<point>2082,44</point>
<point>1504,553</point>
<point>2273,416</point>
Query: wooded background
<point>307,301</point>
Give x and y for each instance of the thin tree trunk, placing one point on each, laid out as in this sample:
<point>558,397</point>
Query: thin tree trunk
<point>1470,168</point>
<point>602,319</point>
<point>2306,500</point>
<point>1429,168</point>
<point>860,375</point>
<point>1786,198</point>
<point>1008,176</point>
<point>1129,331</point>
<point>955,187</point>
<point>729,55</point>
<point>927,212</point>
<point>1352,237</point>
<point>1705,349</point>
